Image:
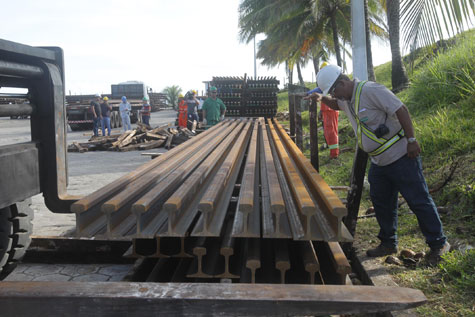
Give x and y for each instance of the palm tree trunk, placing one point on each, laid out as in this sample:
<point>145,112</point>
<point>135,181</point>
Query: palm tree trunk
<point>335,41</point>
<point>316,66</point>
<point>299,73</point>
<point>290,72</point>
<point>398,75</point>
<point>369,54</point>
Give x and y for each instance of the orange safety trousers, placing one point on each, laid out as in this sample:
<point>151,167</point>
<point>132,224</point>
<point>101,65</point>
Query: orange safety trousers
<point>330,129</point>
<point>182,114</point>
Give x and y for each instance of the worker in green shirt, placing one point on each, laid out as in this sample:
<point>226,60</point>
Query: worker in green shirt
<point>213,108</point>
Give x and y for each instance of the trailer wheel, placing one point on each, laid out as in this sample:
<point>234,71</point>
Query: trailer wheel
<point>119,117</point>
<point>15,235</point>
<point>116,119</point>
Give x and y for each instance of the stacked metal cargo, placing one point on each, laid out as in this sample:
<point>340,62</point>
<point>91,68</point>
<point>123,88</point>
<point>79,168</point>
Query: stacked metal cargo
<point>248,97</point>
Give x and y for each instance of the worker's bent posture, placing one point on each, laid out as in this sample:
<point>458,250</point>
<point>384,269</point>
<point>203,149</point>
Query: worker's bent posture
<point>384,130</point>
<point>213,108</point>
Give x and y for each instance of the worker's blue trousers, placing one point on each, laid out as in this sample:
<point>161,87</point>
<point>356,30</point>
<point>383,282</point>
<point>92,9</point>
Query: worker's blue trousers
<point>404,176</point>
<point>96,122</point>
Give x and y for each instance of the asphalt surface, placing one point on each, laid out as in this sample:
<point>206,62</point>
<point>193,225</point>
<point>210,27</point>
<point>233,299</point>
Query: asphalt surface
<point>87,171</point>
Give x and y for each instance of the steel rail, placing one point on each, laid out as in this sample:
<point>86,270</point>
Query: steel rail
<point>281,255</point>
<point>182,205</point>
<point>213,204</point>
<point>275,223</point>
<point>339,260</point>
<point>193,299</point>
<point>310,260</point>
<point>227,250</point>
<point>113,188</point>
<point>247,217</point>
<point>253,261</point>
<point>332,207</point>
<point>304,202</point>
<point>154,176</point>
<point>291,217</point>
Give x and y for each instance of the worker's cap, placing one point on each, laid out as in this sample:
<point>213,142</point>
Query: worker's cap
<point>145,98</point>
<point>97,95</point>
<point>105,98</point>
<point>124,98</point>
<point>180,96</point>
<point>212,88</point>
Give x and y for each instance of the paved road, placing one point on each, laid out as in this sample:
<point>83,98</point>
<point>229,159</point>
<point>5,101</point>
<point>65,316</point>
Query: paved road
<point>87,171</point>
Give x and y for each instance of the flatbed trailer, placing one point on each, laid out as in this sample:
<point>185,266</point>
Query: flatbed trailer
<point>80,117</point>
<point>199,278</point>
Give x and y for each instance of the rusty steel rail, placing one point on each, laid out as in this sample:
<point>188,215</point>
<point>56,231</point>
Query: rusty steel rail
<point>193,188</point>
<point>214,204</point>
<point>331,206</point>
<point>247,217</point>
<point>198,299</point>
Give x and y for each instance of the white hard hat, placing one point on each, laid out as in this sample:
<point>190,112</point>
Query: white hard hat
<point>97,95</point>
<point>327,76</point>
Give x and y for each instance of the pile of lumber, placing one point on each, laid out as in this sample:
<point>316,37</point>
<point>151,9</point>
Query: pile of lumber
<point>141,138</point>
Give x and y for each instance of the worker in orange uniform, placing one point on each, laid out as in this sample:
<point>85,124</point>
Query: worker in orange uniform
<point>330,125</point>
<point>182,112</point>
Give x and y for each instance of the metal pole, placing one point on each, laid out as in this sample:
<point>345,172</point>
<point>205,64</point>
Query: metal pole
<point>358,45</point>
<point>358,42</point>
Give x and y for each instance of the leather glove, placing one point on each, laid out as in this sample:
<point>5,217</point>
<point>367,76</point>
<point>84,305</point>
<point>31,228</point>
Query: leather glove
<point>205,122</point>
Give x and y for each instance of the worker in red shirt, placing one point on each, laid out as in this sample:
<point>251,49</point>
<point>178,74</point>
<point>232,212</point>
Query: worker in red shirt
<point>182,112</point>
<point>145,111</point>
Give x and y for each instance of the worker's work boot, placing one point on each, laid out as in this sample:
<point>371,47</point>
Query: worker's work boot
<point>435,255</point>
<point>381,250</point>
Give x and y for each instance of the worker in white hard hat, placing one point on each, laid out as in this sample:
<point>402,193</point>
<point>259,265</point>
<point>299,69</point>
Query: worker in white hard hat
<point>384,130</point>
<point>96,114</point>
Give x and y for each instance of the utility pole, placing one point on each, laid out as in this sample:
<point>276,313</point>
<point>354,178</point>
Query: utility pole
<point>255,68</point>
<point>358,44</point>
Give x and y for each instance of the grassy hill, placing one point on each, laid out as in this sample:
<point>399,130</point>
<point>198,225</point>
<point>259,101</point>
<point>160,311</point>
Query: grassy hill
<point>441,100</point>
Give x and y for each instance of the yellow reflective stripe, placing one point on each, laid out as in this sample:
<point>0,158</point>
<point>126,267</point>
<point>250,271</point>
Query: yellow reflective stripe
<point>388,144</point>
<point>384,144</point>
<point>373,137</point>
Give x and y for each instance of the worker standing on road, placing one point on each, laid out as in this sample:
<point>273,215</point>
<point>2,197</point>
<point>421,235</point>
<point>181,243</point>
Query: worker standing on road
<point>213,108</point>
<point>192,103</point>
<point>330,125</point>
<point>384,130</point>
<point>96,113</point>
<point>125,109</point>
<point>106,116</point>
<point>182,112</point>
<point>145,111</point>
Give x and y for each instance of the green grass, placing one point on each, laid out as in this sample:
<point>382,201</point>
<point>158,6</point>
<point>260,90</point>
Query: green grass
<point>441,99</point>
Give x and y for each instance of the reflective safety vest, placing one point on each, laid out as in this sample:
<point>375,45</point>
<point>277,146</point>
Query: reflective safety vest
<point>384,143</point>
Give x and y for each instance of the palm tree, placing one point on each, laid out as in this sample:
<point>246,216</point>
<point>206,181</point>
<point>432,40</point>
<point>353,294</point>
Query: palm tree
<point>421,25</point>
<point>399,77</point>
<point>172,93</point>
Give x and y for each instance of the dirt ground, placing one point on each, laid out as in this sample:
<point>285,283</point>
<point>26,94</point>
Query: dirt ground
<point>87,171</point>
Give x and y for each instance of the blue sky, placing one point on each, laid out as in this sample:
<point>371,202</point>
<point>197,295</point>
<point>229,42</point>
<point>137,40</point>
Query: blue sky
<point>161,43</point>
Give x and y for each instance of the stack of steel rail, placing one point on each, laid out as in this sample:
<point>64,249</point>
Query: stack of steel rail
<point>236,188</point>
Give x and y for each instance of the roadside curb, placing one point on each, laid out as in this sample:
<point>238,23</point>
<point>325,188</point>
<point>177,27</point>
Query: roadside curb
<point>372,272</point>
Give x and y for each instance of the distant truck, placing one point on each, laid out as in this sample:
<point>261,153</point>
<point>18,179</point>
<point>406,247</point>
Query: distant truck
<point>78,107</point>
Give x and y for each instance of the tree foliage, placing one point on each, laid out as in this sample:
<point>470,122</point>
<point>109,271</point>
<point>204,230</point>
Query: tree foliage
<point>172,93</point>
